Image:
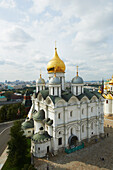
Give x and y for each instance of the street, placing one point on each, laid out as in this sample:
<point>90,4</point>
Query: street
<point>4,135</point>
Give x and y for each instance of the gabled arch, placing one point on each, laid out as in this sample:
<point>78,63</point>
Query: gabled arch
<point>40,97</point>
<point>84,99</point>
<point>49,101</point>
<point>61,102</point>
<point>94,98</point>
<point>73,100</point>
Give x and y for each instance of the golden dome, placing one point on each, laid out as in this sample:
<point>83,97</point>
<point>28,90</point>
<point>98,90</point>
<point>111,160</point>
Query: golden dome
<point>111,82</point>
<point>56,64</point>
<point>109,96</point>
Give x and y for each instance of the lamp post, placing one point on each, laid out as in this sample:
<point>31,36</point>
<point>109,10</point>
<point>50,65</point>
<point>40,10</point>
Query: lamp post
<point>47,162</point>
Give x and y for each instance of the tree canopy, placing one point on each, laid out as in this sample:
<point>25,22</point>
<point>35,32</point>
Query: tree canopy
<point>17,146</point>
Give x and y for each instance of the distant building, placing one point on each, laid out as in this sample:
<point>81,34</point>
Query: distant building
<point>27,101</point>
<point>3,99</point>
<point>108,95</point>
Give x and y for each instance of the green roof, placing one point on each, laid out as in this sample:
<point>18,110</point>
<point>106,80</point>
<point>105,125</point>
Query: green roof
<point>41,136</point>
<point>66,95</point>
<point>2,97</point>
<point>40,115</point>
<point>28,124</point>
<point>44,93</point>
<point>48,121</point>
<point>97,94</point>
<point>55,99</point>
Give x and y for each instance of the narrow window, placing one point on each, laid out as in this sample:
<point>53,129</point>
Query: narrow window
<point>58,91</point>
<point>59,141</point>
<point>71,114</point>
<point>107,101</point>
<point>82,111</point>
<point>58,115</point>
<point>71,131</point>
<point>38,149</point>
<point>81,89</point>
<point>92,126</point>
<point>82,128</point>
<point>91,109</point>
<point>53,90</point>
<point>76,90</point>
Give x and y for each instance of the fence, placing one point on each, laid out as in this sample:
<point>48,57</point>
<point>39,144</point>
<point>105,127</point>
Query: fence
<point>74,149</point>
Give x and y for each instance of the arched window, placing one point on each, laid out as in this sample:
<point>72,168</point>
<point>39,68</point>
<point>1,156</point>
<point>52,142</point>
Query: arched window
<point>59,115</point>
<point>82,128</point>
<point>71,113</point>
<point>91,109</point>
<point>92,126</point>
<point>82,111</point>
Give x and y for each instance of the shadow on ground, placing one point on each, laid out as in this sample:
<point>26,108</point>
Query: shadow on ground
<point>88,158</point>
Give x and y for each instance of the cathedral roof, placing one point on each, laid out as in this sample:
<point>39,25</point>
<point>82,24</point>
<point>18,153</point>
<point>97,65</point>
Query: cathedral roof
<point>28,124</point>
<point>48,121</point>
<point>54,80</point>
<point>66,95</point>
<point>40,115</point>
<point>40,80</point>
<point>56,64</point>
<point>77,80</point>
<point>41,136</point>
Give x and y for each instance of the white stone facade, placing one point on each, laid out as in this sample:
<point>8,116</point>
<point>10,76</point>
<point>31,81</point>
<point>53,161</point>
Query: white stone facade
<point>64,118</point>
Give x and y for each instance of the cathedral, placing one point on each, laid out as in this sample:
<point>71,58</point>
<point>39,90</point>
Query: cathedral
<point>108,95</point>
<point>62,117</point>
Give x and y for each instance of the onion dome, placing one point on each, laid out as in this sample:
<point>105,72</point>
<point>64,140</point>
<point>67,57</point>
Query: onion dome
<point>111,82</point>
<point>41,136</point>
<point>40,115</point>
<point>77,79</point>
<point>40,80</point>
<point>47,121</point>
<point>28,124</point>
<point>54,80</point>
<point>56,64</point>
<point>109,96</point>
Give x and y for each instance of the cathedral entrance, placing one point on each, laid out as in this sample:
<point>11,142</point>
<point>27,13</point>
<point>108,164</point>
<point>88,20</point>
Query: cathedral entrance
<point>72,141</point>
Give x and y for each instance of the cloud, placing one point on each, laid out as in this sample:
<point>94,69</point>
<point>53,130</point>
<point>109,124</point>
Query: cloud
<point>7,4</point>
<point>19,35</point>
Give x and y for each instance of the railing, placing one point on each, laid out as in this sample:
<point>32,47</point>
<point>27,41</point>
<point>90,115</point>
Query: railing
<point>74,149</point>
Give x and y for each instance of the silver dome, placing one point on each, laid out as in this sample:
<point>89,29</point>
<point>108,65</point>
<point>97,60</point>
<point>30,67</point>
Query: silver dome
<point>40,81</point>
<point>54,80</point>
<point>77,80</point>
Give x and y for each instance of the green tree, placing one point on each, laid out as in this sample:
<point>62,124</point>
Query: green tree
<point>17,146</point>
<point>3,113</point>
<point>8,94</point>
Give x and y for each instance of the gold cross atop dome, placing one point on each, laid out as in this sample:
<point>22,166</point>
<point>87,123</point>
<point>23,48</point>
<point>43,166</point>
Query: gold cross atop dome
<point>77,70</point>
<point>55,44</point>
<point>40,73</point>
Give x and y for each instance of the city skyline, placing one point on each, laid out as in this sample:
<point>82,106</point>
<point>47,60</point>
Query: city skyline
<point>83,31</point>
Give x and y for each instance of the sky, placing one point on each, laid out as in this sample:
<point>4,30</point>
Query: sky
<point>83,31</point>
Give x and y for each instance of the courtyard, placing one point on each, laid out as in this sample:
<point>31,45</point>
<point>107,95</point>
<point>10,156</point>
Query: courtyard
<point>97,155</point>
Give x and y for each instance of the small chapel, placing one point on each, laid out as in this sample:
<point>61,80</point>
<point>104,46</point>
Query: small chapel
<point>62,118</point>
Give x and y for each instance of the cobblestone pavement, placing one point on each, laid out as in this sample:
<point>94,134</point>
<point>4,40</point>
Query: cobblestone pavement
<point>88,158</point>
